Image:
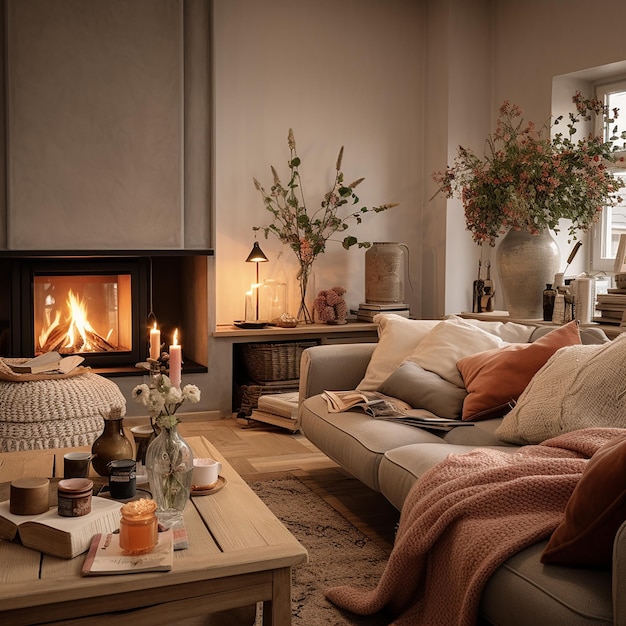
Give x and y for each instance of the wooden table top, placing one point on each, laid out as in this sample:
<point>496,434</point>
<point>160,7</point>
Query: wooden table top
<point>236,546</point>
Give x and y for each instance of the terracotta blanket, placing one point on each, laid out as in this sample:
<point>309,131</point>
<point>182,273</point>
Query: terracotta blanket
<point>464,518</point>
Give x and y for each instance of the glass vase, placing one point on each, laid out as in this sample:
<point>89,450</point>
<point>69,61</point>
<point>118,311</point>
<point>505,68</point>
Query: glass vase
<point>169,461</point>
<point>306,287</point>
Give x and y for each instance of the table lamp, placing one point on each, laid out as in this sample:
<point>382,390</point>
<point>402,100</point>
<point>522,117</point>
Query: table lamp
<point>257,256</point>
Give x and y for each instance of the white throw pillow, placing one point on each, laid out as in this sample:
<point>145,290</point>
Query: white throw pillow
<point>447,343</point>
<point>508,331</point>
<point>579,387</point>
<point>397,338</point>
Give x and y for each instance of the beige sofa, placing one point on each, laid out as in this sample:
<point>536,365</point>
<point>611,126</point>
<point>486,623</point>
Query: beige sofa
<point>390,457</point>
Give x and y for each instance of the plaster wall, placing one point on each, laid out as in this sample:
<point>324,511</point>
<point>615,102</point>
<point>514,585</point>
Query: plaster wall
<point>339,73</point>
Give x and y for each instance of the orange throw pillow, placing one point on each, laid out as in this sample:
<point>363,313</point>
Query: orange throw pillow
<point>594,512</point>
<point>494,379</point>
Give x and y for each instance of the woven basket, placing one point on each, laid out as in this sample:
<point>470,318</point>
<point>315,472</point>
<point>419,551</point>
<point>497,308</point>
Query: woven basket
<point>250,394</point>
<point>270,362</point>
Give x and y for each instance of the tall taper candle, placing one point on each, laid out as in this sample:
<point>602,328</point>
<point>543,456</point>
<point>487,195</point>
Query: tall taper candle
<point>175,361</point>
<point>155,342</point>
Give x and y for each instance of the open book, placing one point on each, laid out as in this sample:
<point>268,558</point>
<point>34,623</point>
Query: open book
<point>106,557</point>
<point>48,362</point>
<point>372,402</point>
<point>65,537</point>
<point>380,406</point>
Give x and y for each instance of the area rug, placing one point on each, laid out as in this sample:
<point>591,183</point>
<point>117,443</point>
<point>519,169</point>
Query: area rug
<point>339,553</point>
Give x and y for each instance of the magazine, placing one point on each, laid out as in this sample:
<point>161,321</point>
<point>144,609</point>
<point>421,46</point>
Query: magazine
<point>380,406</point>
<point>372,402</point>
<point>106,557</point>
<point>425,419</point>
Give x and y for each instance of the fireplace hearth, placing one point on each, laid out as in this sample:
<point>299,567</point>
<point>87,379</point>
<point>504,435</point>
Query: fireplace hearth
<point>96,308</point>
<point>101,308</point>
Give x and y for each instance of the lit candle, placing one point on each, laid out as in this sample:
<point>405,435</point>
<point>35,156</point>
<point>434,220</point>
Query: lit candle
<point>249,311</point>
<point>155,342</point>
<point>175,361</point>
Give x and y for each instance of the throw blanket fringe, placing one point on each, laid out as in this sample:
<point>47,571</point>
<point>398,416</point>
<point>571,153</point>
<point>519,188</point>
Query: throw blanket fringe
<point>464,518</point>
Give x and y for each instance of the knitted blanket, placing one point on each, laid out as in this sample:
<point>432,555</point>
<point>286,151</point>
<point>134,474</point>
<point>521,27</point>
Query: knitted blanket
<point>464,518</point>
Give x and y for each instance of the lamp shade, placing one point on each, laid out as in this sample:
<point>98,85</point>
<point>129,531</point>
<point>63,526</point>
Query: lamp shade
<point>256,255</point>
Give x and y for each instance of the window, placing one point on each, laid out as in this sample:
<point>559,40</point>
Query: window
<point>612,224</point>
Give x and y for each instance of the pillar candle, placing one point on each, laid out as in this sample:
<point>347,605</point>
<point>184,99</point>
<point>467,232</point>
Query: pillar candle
<point>175,361</point>
<point>155,342</point>
<point>250,311</point>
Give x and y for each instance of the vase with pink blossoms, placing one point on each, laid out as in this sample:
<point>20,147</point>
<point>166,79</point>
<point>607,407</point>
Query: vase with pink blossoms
<point>306,232</point>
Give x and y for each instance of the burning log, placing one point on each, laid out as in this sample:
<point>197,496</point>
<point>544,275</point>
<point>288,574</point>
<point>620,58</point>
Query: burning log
<point>93,342</point>
<point>75,334</point>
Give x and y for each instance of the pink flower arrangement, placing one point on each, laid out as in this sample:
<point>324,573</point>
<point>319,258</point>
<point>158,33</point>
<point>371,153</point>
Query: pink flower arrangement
<point>330,305</point>
<point>529,181</point>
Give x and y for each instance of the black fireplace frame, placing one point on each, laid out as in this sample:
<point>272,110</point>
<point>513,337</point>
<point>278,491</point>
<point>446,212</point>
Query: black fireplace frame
<point>22,339</point>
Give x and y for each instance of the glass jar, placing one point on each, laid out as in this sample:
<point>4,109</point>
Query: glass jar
<point>139,526</point>
<point>74,497</point>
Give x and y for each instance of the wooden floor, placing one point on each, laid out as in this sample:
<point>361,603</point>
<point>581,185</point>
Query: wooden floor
<point>258,450</point>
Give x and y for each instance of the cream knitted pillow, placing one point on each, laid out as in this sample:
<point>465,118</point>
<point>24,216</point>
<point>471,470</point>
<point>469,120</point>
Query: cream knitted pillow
<point>579,387</point>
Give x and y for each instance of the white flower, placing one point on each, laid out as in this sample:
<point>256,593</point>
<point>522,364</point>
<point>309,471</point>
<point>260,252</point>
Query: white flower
<point>191,393</point>
<point>173,396</point>
<point>163,400</point>
<point>141,393</point>
<point>155,403</point>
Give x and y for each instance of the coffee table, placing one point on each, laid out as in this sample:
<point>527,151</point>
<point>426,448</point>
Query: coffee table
<point>239,554</point>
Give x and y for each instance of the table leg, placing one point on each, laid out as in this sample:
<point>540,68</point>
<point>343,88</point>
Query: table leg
<point>277,611</point>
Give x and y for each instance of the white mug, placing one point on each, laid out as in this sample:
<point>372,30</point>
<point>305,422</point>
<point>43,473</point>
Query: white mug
<point>205,473</point>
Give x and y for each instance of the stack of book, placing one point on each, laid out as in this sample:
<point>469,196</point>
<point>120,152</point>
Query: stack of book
<point>278,409</point>
<point>611,307</point>
<point>368,310</point>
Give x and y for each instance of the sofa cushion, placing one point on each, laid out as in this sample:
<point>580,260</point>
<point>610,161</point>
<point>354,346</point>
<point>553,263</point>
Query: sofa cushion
<point>355,440</point>
<point>494,379</point>
<point>595,511</point>
<point>397,338</point>
<point>401,467</point>
<point>425,390</point>
<point>524,591</point>
<point>447,343</point>
<point>579,387</point>
<point>512,332</point>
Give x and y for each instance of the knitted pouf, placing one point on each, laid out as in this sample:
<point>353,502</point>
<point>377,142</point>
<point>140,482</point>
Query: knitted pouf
<point>59,413</point>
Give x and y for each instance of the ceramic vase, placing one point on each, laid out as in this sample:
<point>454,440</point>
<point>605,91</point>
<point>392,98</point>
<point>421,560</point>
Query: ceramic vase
<point>526,263</point>
<point>169,461</point>
<point>111,445</point>
<point>384,273</point>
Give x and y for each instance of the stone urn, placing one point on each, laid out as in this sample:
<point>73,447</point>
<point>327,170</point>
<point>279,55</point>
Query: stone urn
<point>526,263</point>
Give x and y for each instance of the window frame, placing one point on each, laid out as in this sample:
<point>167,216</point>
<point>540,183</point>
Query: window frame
<point>600,231</point>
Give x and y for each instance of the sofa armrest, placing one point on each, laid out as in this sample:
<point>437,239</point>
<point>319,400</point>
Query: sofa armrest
<point>619,577</point>
<point>334,367</point>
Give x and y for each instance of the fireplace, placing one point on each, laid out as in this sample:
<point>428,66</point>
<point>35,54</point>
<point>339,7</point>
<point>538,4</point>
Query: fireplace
<point>96,308</point>
<point>102,307</point>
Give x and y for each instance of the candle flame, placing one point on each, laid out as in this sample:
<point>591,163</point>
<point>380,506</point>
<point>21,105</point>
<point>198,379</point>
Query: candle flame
<point>175,340</point>
<point>155,326</point>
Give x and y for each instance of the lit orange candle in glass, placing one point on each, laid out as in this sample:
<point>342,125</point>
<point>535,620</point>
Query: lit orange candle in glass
<point>139,526</point>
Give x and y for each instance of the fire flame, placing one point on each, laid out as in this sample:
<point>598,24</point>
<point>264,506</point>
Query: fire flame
<point>79,335</point>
